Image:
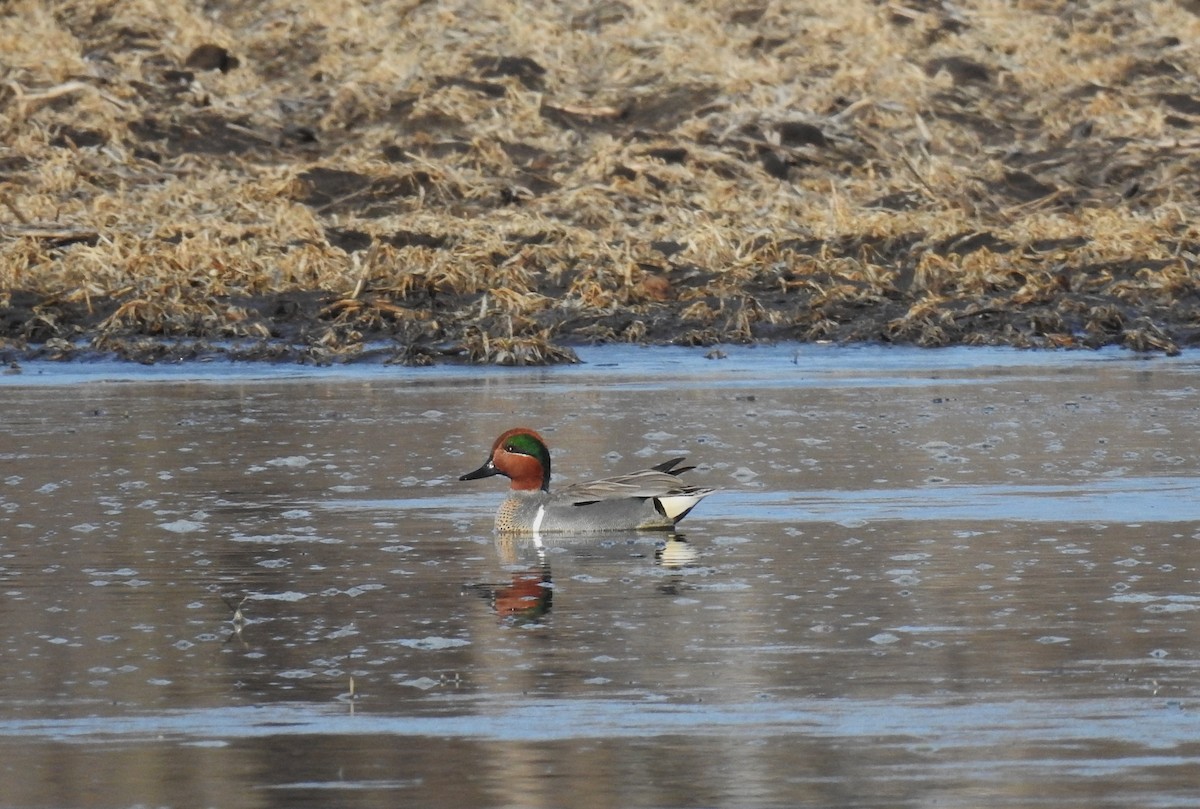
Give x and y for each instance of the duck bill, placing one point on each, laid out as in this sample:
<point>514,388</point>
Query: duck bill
<point>485,471</point>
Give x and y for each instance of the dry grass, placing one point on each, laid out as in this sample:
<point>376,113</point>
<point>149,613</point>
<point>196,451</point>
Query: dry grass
<point>492,181</point>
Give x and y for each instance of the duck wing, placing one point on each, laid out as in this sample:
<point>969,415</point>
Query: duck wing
<point>669,467</point>
<point>659,481</point>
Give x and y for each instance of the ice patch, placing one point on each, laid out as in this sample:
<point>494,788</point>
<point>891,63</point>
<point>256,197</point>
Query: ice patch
<point>181,526</point>
<point>430,643</point>
<point>294,461</point>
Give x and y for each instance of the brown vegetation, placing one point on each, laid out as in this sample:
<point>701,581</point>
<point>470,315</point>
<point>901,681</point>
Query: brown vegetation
<point>494,181</point>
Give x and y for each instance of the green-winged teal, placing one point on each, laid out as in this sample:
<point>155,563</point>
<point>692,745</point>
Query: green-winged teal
<point>650,499</point>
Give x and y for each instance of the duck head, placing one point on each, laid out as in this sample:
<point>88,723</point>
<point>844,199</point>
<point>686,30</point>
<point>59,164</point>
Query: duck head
<point>520,455</point>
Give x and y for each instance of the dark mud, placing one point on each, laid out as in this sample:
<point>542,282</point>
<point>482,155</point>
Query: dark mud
<point>321,328</point>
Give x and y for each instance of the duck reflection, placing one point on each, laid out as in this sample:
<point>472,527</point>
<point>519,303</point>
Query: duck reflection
<point>525,599</point>
<point>527,594</point>
<point>676,553</point>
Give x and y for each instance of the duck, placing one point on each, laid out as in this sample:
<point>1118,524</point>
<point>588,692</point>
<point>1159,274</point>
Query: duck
<point>653,499</point>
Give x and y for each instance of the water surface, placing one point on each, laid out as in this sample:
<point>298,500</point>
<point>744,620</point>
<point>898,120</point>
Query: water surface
<point>952,578</point>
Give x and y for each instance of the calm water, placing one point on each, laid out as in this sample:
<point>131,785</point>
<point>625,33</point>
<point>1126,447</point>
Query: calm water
<point>953,579</point>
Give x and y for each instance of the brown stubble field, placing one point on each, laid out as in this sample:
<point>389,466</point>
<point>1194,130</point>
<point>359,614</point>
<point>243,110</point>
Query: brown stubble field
<point>498,181</point>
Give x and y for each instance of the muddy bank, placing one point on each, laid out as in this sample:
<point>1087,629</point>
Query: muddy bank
<point>318,327</point>
<point>499,183</point>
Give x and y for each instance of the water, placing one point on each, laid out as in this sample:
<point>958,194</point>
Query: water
<point>951,578</point>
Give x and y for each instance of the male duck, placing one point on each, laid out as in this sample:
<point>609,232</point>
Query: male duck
<point>650,499</point>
